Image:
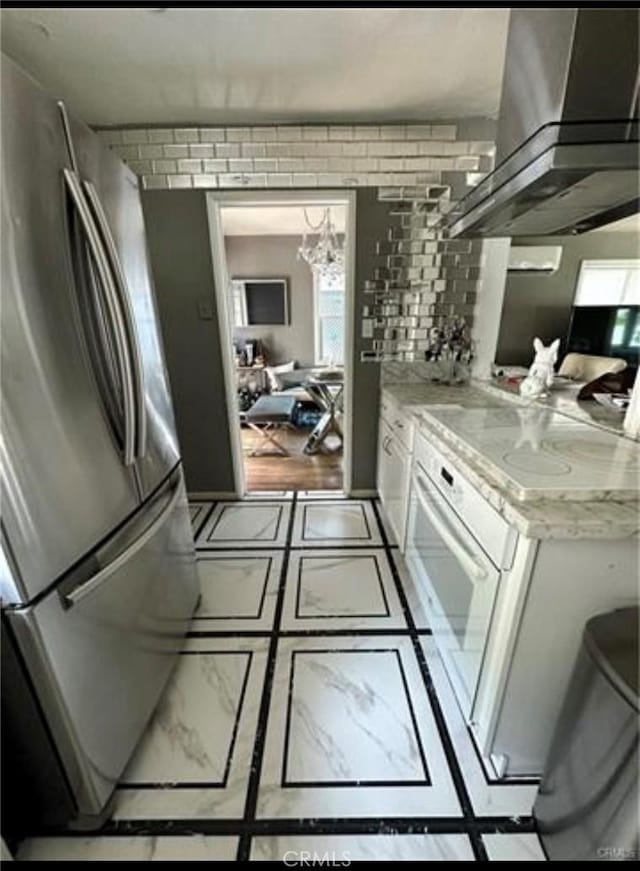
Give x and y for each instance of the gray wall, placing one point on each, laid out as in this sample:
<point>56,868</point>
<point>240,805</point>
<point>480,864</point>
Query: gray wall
<point>275,257</point>
<point>540,305</point>
<point>178,236</point>
<point>178,239</point>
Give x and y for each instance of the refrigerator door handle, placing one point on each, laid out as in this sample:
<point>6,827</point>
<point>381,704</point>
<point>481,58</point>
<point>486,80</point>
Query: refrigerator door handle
<point>120,283</point>
<point>84,589</point>
<point>112,306</point>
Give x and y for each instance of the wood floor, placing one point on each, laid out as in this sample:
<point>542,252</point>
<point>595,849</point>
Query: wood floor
<point>323,471</point>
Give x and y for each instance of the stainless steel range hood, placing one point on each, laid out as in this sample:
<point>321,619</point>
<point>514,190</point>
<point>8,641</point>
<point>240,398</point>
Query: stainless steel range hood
<point>567,153</point>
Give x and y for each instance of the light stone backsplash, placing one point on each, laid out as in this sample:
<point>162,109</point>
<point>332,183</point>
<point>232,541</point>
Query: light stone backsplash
<point>420,277</point>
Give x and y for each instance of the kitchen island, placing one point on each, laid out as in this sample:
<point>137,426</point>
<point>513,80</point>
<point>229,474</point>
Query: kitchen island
<point>520,523</point>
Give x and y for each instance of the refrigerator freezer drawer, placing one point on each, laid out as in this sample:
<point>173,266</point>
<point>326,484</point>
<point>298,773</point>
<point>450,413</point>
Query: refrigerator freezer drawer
<point>100,650</point>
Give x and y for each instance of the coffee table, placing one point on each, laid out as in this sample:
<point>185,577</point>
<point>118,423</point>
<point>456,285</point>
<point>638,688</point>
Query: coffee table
<point>326,393</point>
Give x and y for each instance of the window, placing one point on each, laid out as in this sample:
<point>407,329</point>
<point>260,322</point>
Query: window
<point>608,282</point>
<point>329,320</point>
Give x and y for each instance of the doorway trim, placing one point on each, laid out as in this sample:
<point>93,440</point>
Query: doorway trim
<point>216,201</point>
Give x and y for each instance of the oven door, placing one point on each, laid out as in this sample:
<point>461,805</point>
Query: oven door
<point>458,581</point>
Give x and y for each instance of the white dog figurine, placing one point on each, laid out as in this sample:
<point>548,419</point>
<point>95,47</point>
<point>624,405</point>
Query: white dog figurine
<point>540,376</point>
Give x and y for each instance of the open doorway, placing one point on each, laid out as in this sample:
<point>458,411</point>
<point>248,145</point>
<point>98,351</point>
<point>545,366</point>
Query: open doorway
<point>283,269</point>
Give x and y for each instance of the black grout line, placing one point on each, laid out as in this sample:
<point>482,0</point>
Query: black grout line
<point>305,826</point>
<point>303,633</point>
<point>477,844</point>
<point>253,786</point>
<point>207,515</point>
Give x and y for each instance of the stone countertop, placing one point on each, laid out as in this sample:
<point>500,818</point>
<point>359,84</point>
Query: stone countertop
<point>557,518</point>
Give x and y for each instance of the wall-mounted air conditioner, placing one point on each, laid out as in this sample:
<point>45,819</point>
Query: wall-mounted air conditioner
<point>534,258</point>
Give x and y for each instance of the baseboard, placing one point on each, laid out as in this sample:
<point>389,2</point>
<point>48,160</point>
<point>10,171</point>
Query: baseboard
<point>212,495</point>
<point>363,494</point>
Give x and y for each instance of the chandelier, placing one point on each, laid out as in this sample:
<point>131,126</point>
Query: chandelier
<point>326,256</point>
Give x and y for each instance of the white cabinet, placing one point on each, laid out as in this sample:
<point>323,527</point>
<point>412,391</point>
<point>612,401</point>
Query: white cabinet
<point>395,440</point>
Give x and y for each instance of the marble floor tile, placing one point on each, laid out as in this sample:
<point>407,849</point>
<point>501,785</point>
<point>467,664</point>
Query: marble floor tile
<point>194,758</point>
<point>514,848</point>
<point>258,495</point>
<point>238,590</point>
<point>246,524</point>
<point>197,512</point>
<point>388,531</point>
<point>341,589</point>
<point>487,798</point>
<point>335,523</point>
<point>359,848</point>
<point>188,848</point>
<point>351,733</point>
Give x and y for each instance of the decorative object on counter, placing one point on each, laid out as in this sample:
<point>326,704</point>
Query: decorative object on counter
<point>326,256</point>
<point>614,383</point>
<point>541,373</point>
<point>451,348</point>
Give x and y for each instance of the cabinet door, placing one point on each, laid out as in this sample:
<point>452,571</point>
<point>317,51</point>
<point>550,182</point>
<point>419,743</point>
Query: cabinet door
<point>393,480</point>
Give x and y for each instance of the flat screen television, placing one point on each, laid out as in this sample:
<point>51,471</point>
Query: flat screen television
<point>606,331</point>
<point>260,301</point>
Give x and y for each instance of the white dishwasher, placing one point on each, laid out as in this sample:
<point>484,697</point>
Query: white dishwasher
<point>458,575</point>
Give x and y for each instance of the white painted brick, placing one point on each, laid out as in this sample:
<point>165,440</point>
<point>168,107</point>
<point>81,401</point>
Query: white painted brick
<point>277,149</point>
<point>128,152</point>
<point>279,180</point>
<point>393,131</point>
<point>227,150</point>
<point>263,134</point>
<point>160,135</point>
<point>211,134</point>
<point>354,180</point>
<point>340,164</point>
<point>303,149</point>
<point>390,164</point>
<point>354,149</point>
<point>148,152</point>
<point>189,166</point>
<point>379,179</point>
<point>316,164</point>
<point>330,149</point>
<point>455,148</point>
<point>176,150</point>
<point>330,180</point>
<point>228,181</point>
<point>305,180</point>
<point>134,137</point>
<point>403,149</point>
<point>211,166</point>
<point>418,131</point>
<point>140,167</point>
<point>252,149</point>
<point>180,181</point>
<point>340,132</point>
<point>443,131</point>
<point>164,166</point>
<point>366,132</point>
<point>238,134</point>
<point>289,134</point>
<point>205,181</point>
<point>470,163</point>
<point>186,134</point>
<point>244,180</point>
<point>243,165</point>
<point>380,149</point>
<point>315,133</point>
<point>154,182</point>
<point>265,164</point>
<point>287,164</point>
<point>414,164</point>
<point>201,151</point>
<point>433,149</point>
<point>443,163</point>
<point>365,164</point>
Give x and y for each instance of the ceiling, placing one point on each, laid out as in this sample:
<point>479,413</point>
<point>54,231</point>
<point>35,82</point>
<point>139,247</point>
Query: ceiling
<point>262,65</point>
<point>625,225</point>
<point>277,220</point>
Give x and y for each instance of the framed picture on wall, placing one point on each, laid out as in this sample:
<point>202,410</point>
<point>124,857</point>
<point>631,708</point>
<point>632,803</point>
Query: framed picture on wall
<point>260,301</point>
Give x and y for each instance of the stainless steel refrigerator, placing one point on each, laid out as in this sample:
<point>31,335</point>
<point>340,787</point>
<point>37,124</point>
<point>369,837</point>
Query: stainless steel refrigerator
<point>97,575</point>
